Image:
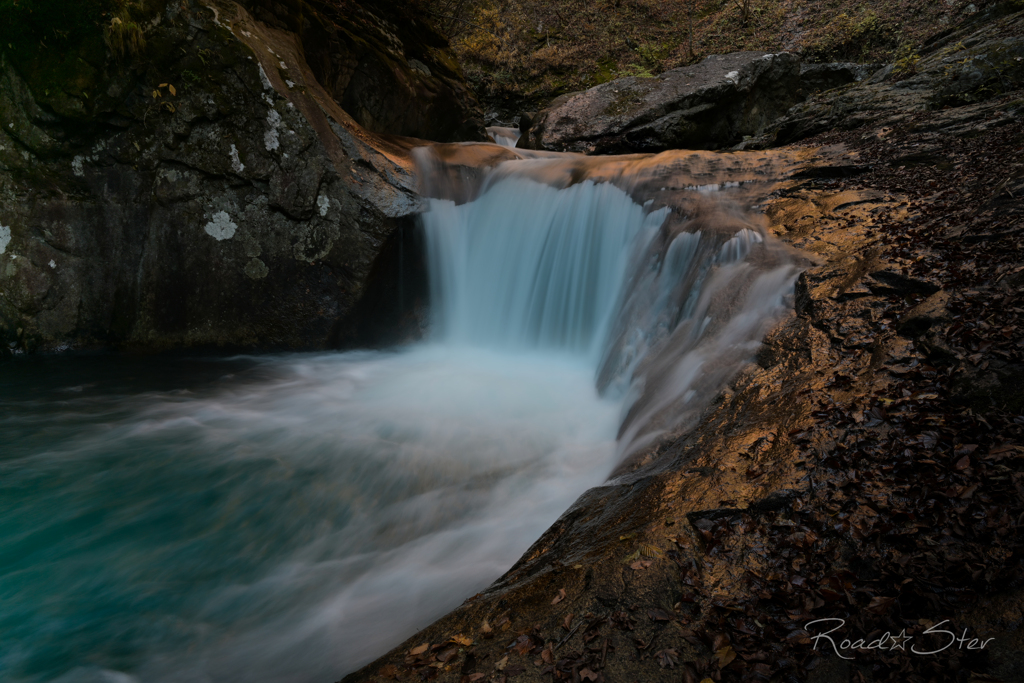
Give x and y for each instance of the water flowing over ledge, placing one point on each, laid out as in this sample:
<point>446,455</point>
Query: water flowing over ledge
<point>654,268</point>
<point>288,518</point>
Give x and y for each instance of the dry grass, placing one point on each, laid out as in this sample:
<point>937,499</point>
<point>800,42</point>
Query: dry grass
<point>123,34</point>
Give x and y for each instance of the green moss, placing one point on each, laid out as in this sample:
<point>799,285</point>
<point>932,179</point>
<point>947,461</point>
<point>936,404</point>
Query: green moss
<point>854,37</point>
<point>29,23</point>
<point>606,71</point>
<point>61,46</point>
<point>634,70</point>
<point>906,61</point>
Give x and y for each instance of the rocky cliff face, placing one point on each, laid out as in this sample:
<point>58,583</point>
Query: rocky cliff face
<point>710,105</point>
<point>212,191</point>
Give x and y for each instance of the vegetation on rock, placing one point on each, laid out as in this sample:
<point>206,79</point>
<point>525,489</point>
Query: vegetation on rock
<point>522,53</point>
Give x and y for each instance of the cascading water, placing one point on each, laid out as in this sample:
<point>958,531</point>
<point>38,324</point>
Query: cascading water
<point>289,518</point>
<point>506,137</point>
<point>665,299</point>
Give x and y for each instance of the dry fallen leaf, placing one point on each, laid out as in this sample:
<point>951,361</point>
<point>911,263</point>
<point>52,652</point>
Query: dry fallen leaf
<point>558,598</point>
<point>522,645</point>
<point>462,640</point>
<point>725,656</point>
<point>502,663</point>
<point>880,604</point>
<point>667,658</point>
<point>420,649</point>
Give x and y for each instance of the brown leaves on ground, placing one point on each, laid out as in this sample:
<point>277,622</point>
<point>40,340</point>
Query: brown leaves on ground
<point>667,658</point>
<point>915,504</point>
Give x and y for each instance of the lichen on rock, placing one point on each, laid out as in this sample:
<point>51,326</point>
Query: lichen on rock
<point>121,176</point>
<point>220,227</point>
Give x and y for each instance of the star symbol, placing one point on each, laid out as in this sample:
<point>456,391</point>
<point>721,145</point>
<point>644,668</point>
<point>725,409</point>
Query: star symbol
<point>899,642</point>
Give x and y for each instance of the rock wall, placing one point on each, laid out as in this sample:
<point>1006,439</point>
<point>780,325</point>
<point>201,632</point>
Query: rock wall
<point>978,62</point>
<point>390,71</point>
<point>209,192</point>
<point>710,105</point>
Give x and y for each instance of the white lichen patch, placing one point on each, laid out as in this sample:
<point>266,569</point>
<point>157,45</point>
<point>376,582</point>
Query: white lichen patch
<point>266,81</point>
<point>221,227</point>
<point>5,239</point>
<point>256,269</point>
<point>76,166</point>
<point>236,163</point>
<point>289,83</point>
<point>733,76</point>
<point>283,65</point>
<point>324,203</point>
<point>52,263</point>
<point>271,138</point>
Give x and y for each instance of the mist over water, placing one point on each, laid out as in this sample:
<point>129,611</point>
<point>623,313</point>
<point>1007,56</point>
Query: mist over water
<point>287,523</point>
<point>291,517</point>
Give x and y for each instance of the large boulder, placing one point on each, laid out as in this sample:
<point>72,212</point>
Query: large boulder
<point>209,192</point>
<point>830,75</point>
<point>710,105</point>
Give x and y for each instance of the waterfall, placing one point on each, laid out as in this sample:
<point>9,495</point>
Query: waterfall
<point>666,292</point>
<point>288,518</point>
<point>529,266</point>
<point>506,137</point>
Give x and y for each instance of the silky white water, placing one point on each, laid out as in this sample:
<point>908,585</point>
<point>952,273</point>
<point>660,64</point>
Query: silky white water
<point>289,518</point>
<point>287,523</point>
<point>506,137</point>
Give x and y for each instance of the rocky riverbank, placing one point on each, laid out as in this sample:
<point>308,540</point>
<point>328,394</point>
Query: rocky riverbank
<point>245,187</point>
<point>866,470</point>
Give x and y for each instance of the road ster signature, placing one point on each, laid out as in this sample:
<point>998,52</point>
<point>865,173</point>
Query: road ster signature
<point>946,639</point>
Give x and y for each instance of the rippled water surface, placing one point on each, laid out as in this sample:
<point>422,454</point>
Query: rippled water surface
<point>289,518</point>
<point>280,518</point>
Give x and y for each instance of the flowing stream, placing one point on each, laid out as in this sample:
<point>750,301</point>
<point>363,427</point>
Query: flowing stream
<point>291,517</point>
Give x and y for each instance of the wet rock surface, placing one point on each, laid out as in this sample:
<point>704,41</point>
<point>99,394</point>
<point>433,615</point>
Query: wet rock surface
<point>867,469</point>
<point>210,194</point>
